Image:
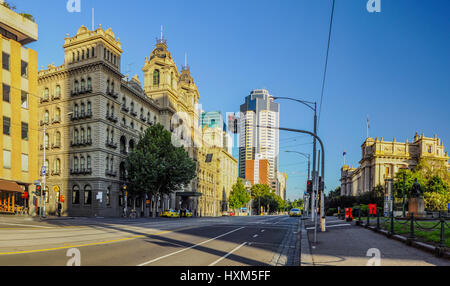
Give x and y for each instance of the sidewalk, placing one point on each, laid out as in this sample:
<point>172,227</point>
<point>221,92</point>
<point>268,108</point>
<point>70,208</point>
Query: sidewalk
<point>348,245</point>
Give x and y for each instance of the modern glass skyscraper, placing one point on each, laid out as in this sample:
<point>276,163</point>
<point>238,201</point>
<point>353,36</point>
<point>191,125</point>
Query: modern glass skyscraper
<point>259,109</point>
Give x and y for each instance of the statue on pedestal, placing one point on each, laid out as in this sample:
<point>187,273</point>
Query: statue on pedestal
<point>416,204</point>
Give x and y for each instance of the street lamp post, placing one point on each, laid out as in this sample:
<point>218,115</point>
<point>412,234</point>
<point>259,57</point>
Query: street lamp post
<point>313,107</point>
<point>322,158</point>
<point>309,157</point>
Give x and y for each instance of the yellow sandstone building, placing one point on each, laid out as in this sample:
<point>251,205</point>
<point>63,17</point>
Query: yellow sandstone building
<point>19,108</point>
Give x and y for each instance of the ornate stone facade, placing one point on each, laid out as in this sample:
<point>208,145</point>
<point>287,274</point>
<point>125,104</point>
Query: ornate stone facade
<point>381,160</point>
<point>93,116</point>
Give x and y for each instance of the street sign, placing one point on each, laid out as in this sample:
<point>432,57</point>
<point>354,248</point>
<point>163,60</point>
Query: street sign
<point>43,170</point>
<point>56,188</point>
<point>37,183</point>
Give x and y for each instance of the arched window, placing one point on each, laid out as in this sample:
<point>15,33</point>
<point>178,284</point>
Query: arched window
<point>89,83</point>
<point>82,135</point>
<point>89,108</point>
<point>112,86</point>
<point>83,85</point>
<point>75,136</point>
<point>46,116</point>
<point>131,145</point>
<point>122,172</point>
<point>58,114</point>
<point>46,93</point>
<point>107,85</point>
<point>82,109</point>
<point>112,163</point>
<point>93,52</point>
<point>88,134</point>
<point>58,91</point>
<point>87,53</point>
<point>87,195</point>
<point>57,165</point>
<point>76,86</point>
<point>132,124</point>
<point>124,101</point>
<point>156,78</point>
<point>124,121</point>
<point>88,162</point>
<point>78,55</point>
<point>112,135</point>
<point>107,163</point>
<point>58,138</point>
<point>132,106</point>
<point>107,109</point>
<point>75,195</point>
<point>123,145</point>
<point>75,110</point>
<point>82,163</point>
<point>46,140</point>
<point>75,163</point>
<point>46,164</point>
<point>82,55</point>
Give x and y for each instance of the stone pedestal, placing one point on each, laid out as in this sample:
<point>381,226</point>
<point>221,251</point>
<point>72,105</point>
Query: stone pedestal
<point>416,206</point>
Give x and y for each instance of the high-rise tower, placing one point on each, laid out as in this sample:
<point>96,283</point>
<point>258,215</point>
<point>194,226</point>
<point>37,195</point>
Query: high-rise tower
<point>259,109</point>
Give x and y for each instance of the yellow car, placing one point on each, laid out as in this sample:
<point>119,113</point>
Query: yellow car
<point>170,213</point>
<point>295,212</point>
<point>186,213</point>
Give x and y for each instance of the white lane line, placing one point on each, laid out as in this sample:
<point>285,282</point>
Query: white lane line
<point>344,224</point>
<point>190,247</point>
<point>262,230</point>
<point>29,225</point>
<point>255,236</point>
<point>226,255</point>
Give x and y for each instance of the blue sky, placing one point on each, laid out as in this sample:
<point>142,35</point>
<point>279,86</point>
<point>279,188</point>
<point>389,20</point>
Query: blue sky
<point>393,66</point>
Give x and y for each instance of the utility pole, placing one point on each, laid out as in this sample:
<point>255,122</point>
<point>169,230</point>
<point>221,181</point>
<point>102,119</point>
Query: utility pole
<point>43,199</point>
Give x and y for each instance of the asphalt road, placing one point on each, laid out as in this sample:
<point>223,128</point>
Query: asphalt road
<point>223,241</point>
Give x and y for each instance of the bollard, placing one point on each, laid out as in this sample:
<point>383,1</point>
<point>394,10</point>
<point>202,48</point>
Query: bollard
<point>442,242</point>
<point>368,221</point>
<point>411,229</point>
<point>378,221</point>
<point>391,232</point>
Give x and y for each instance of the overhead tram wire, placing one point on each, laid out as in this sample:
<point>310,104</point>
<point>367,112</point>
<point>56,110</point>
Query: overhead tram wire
<point>326,63</point>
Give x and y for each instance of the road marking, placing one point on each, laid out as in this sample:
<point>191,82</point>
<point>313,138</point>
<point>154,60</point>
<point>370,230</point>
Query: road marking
<point>344,224</point>
<point>190,247</point>
<point>86,244</point>
<point>255,236</point>
<point>28,225</point>
<point>262,230</point>
<point>226,255</point>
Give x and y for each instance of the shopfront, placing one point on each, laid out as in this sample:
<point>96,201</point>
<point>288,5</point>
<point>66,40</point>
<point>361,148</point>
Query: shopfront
<point>11,197</point>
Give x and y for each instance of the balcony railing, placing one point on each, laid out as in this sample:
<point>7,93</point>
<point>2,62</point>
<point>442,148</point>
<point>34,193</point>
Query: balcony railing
<point>43,122</point>
<point>56,96</point>
<point>56,172</point>
<point>56,120</point>
<point>44,99</point>
<point>82,115</point>
<point>133,113</point>
<point>112,93</point>
<point>110,173</point>
<point>143,118</point>
<point>125,108</point>
<point>80,143</point>
<point>56,145</point>
<point>83,171</point>
<point>112,118</point>
<point>42,147</point>
<point>111,144</point>
<point>81,91</point>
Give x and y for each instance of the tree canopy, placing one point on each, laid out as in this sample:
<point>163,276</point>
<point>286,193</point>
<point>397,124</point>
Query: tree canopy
<point>156,166</point>
<point>239,196</point>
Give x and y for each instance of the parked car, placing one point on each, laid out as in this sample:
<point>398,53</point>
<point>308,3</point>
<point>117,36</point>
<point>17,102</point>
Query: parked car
<point>226,213</point>
<point>295,212</point>
<point>186,213</point>
<point>170,213</point>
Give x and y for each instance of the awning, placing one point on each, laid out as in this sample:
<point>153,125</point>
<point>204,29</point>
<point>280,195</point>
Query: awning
<point>188,194</point>
<point>10,186</point>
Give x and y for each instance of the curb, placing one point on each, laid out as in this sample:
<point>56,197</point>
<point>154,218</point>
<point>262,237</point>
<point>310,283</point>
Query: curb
<point>416,244</point>
<point>305,250</point>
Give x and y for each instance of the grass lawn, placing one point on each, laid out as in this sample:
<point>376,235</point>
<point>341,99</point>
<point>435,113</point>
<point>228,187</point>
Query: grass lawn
<point>403,228</point>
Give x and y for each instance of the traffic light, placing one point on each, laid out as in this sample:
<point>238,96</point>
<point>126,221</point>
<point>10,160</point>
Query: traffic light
<point>321,184</point>
<point>38,190</point>
<point>309,187</point>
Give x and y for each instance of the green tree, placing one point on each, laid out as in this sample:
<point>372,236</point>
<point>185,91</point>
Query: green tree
<point>239,196</point>
<point>157,167</point>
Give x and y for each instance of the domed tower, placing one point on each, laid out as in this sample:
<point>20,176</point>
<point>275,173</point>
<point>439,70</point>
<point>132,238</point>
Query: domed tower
<point>161,80</point>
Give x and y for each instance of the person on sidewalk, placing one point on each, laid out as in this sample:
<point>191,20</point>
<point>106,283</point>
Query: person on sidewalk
<point>59,209</point>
